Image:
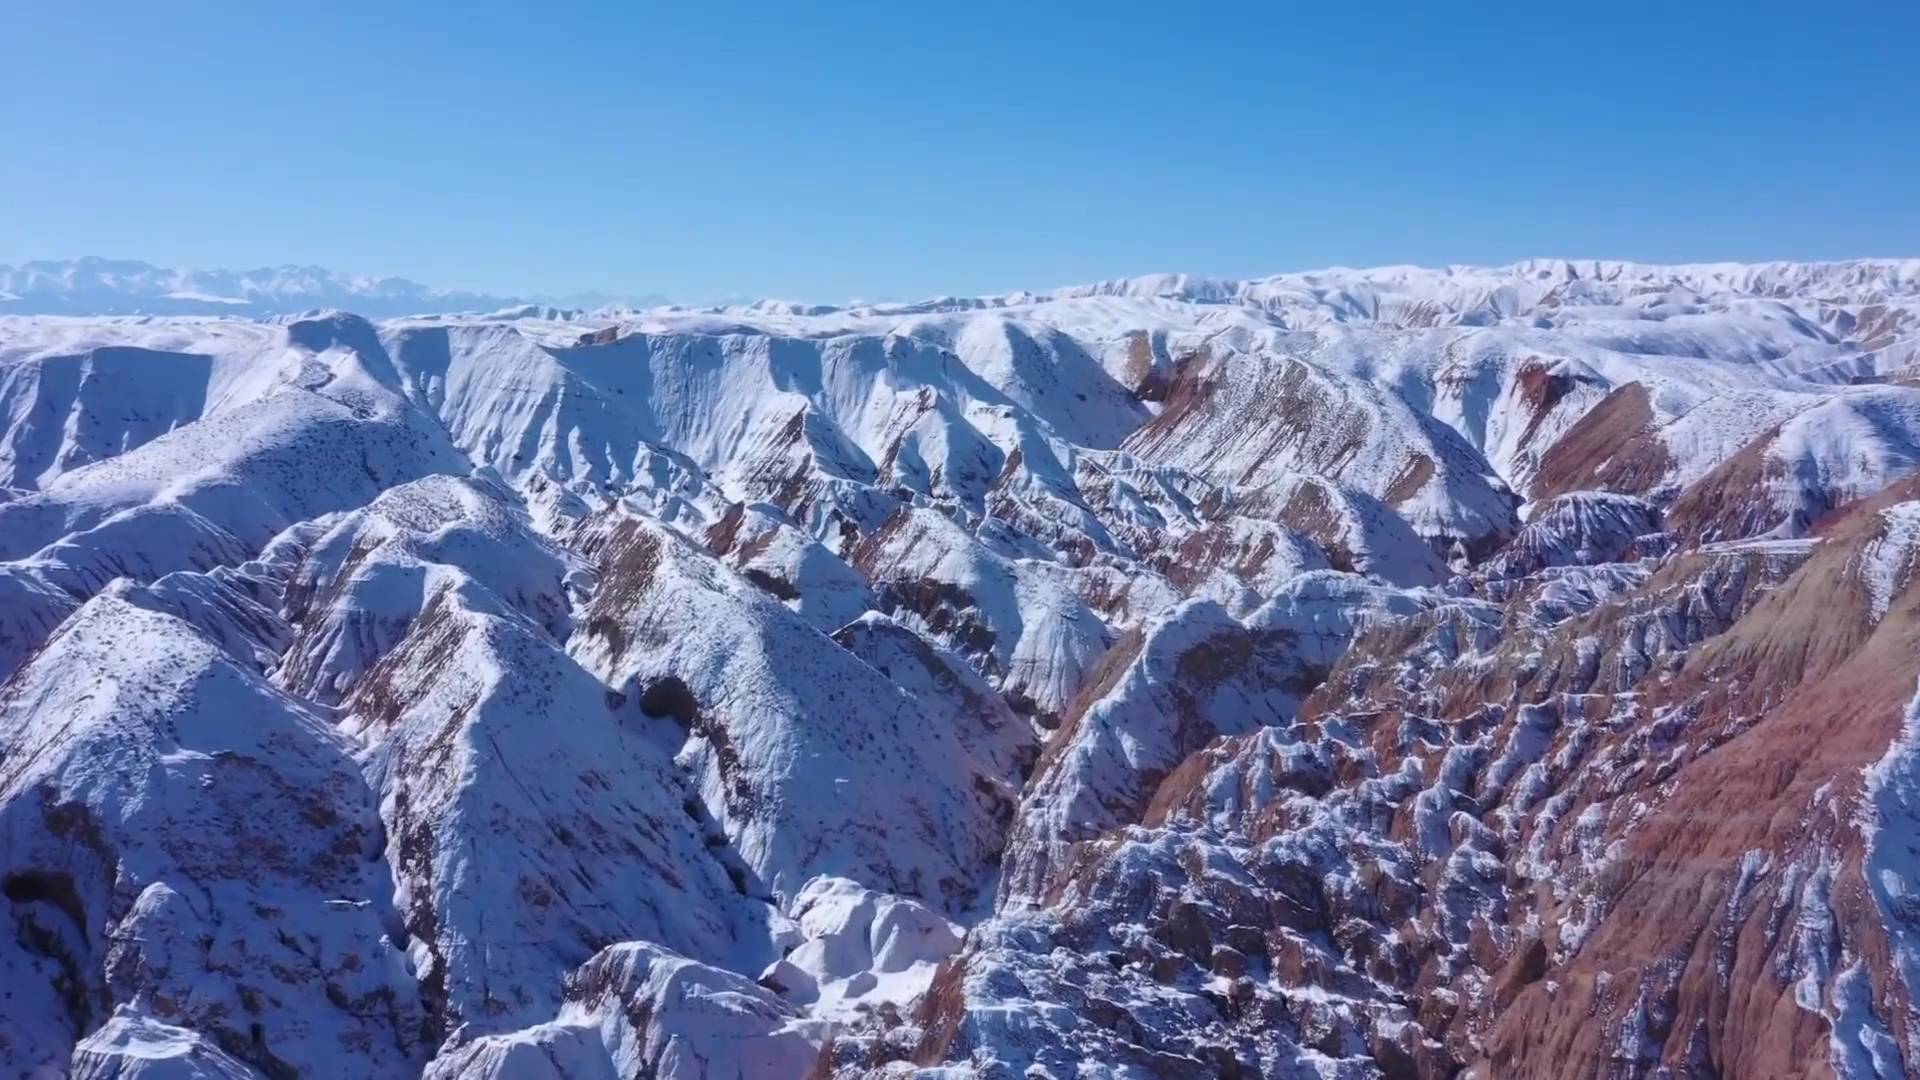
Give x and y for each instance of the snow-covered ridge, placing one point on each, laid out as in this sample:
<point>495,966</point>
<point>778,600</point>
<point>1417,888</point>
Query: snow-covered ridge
<point>97,286</point>
<point>1417,295</point>
<point>1328,675</point>
<point>1845,278</point>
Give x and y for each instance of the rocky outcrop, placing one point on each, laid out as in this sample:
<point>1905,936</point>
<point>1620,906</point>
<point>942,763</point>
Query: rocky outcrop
<point>1021,624</point>
<point>1248,420</point>
<point>784,726</point>
<point>363,582</point>
<point>1158,696</point>
<point>1581,529</point>
<point>638,1010</point>
<point>532,818</point>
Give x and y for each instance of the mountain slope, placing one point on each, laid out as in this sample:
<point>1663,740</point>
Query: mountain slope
<point>1402,672</point>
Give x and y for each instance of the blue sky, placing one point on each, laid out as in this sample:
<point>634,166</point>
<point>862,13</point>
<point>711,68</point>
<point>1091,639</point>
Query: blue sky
<point>711,151</point>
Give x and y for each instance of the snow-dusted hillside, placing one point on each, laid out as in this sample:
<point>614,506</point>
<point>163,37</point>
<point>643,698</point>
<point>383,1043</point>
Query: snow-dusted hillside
<point>1398,672</point>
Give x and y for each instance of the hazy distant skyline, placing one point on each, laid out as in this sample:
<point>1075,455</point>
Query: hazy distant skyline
<point>869,152</point>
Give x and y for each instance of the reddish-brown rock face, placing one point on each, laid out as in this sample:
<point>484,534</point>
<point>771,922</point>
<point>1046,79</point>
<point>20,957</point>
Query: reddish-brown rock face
<point>1602,820</point>
<point>1612,448</point>
<point>1622,843</point>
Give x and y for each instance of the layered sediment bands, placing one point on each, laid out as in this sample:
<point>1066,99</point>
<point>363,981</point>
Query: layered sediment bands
<point>1739,912</point>
<point>1612,448</point>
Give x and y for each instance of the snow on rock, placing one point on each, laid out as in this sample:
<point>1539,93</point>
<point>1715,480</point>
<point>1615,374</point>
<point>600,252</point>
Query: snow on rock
<point>38,1027</point>
<point>1890,807</point>
<point>187,842</point>
<point>31,608</point>
<point>1157,696</point>
<point>364,581</point>
<point>1829,453</point>
<point>1356,531</point>
<point>1886,562</point>
<point>533,818</point>
<point>1561,288</point>
<point>1156,677</point>
<point>637,1009</point>
<point>328,435</point>
<point>1241,561</point>
<point>1579,529</point>
<point>802,573</point>
<point>808,424</point>
<point>131,1046</point>
<point>1048,372</point>
<point>951,693</point>
<point>96,286</point>
<point>1020,625</point>
<point>226,607</point>
<point>1319,613</point>
<point>67,411</point>
<point>1252,419</point>
<point>1192,952</point>
<point>785,729</point>
<point>859,949</point>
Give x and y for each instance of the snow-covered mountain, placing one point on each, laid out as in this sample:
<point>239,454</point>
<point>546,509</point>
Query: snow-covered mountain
<point>95,286</point>
<point>1403,672</point>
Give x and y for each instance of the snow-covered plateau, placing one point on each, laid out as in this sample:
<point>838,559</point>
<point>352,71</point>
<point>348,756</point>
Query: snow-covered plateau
<point>1488,672</point>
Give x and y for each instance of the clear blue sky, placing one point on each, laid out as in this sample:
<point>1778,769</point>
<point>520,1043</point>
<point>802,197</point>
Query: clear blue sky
<point>709,151</point>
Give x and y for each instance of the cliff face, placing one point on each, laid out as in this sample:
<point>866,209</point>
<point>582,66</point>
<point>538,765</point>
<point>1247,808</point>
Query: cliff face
<point>1500,673</point>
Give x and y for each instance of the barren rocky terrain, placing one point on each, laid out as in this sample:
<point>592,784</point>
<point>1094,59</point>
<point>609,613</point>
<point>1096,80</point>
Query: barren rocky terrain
<point>1488,672</point>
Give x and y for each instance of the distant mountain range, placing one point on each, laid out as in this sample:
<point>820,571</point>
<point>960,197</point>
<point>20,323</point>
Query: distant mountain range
<point>96,286</point>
